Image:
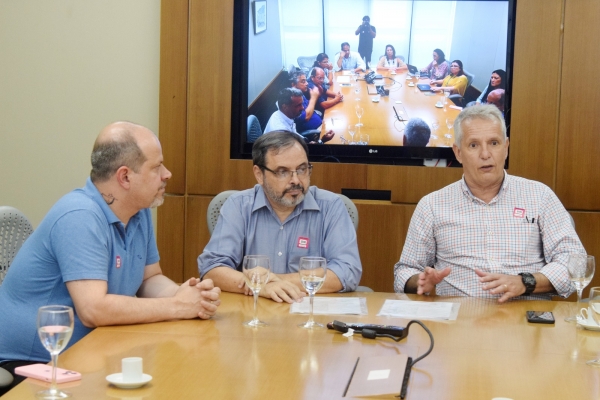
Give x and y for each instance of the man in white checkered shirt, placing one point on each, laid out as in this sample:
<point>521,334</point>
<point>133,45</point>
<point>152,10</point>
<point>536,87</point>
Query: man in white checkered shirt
<point>490,234</point>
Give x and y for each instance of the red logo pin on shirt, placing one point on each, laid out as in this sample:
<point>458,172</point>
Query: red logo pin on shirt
<point>303,242</point>
<point>519,212</point>
<point>118,261</point>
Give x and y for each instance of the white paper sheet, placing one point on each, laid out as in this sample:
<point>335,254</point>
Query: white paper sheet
<point>343,79</point>
<point>419,310</point>
<point>332,306</point>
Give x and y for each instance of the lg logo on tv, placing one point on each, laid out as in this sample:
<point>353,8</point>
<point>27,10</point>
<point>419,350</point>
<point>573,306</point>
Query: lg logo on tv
<point>372,151</point>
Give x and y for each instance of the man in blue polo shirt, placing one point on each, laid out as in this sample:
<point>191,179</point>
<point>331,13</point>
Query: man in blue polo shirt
<point>95,251</point>
<point>285,218</point>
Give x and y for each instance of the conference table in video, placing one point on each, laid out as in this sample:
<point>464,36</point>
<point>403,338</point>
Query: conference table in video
<point>488,351</point>
<point>384,125</point>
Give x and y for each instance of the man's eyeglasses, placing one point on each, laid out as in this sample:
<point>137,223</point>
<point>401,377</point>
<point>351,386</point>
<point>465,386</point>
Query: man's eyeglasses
<point>286,174</point>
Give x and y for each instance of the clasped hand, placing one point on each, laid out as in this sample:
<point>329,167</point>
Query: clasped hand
<point>278,290</point>
<point>203,295</point>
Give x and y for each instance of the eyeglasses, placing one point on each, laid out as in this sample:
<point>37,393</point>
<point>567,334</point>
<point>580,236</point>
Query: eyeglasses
<point>285,174</point>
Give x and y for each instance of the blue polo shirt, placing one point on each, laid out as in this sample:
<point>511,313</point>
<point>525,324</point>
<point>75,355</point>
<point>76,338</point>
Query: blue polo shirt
<point>80,238</point>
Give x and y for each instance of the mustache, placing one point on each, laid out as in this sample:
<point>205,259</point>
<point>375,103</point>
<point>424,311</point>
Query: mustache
<point>294,187</point>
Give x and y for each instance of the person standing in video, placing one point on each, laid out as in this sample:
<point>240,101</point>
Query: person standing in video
<point>367,33</point>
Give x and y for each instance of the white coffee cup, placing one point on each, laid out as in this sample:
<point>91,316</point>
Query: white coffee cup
<point>132,369</point>
<point>585,316</point>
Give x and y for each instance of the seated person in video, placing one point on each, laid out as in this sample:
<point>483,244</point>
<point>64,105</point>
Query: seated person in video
<point>322,62</point>
<point>327,98</point>
<point>348,60</point>
<point>455,83</point>
<point>389,61</point>
<point>490,234</point>
<point>438,68</point>
<point>416,133</point>
<point>284,218</point>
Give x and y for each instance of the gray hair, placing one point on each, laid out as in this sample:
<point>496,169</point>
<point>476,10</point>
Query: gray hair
<point>417,133</point>
<point>108,155</point>
<point>295,76</point>
<point>481,111</point>
<point>285,96</point>
<point>275,141</point>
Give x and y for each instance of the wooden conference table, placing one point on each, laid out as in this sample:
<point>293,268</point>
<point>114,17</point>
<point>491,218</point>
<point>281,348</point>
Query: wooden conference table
<point>489,351</point>
<point>379,120</point>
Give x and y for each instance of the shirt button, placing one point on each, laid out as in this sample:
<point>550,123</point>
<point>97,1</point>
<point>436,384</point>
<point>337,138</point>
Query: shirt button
<point>279,254</point>
<point>489,232</point>
<point>281,227</point>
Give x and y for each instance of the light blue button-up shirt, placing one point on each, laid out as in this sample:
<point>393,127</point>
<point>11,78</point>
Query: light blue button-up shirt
<point>319,226</point>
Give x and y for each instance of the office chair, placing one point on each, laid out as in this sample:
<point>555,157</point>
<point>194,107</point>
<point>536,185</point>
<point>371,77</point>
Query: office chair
<point>306,63</point>
<point>15,228</point>
<point>253,130</point>
<point>457,98</point>
<point>212,215</point>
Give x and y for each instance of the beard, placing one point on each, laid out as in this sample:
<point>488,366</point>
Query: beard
<point>159,199</point>
<point>281,199</point>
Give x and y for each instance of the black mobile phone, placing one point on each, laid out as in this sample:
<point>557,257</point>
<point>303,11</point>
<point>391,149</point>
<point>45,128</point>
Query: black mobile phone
<point>540,317</point>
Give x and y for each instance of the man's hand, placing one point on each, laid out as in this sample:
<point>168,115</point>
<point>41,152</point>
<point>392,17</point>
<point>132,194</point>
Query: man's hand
<point>328,136</point>
<point>314,92</point>
<point>206,302</point>
<point>508,286</point>
<point>338,97</point>
<point>281,290</point>
<point>429,278</point>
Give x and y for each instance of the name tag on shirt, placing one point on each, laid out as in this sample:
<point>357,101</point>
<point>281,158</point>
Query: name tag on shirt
<point>519,212</point>
<point>303,242</point>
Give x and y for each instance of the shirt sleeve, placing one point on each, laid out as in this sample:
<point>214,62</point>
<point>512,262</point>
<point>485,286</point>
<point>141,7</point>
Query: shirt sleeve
<point>559,240</point>
<point>340,247</point>
<point>419,248</point>
<point>225,247</point>
<point>461,85</point>
<point>79,241</point>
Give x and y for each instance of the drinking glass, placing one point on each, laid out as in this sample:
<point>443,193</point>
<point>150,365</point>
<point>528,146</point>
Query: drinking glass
<point>435,125</point>
<point>364,139</point>
<point>581,270</point>
<point>446,95</point>
<point>351,131</point>
<point>313,271</point>
<point>359,114</point>
<point>449,124</point>
<point>55,327</point>
<point>417,77</point>
<point>594,304</point>
<point>256,270</point>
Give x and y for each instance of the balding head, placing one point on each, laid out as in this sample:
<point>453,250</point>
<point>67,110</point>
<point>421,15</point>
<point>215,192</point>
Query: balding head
<point>119,144</point>
<point>496,97</point>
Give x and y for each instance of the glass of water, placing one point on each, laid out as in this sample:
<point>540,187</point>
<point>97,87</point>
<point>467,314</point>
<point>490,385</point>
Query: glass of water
<point>581,270</point>
<point>256,270</point>
<point>594,305</point>
<point>55,327</point>
<point>313,271</point>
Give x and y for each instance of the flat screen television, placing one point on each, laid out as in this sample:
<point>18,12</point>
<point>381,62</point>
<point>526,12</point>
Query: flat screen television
<point>269,37</point>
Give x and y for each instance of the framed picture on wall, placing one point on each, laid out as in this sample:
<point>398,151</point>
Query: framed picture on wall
<point>260,16</point>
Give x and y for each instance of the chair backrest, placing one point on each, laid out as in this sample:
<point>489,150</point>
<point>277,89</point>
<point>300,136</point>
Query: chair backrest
<point>470,77</point>
<point>306,63</point>
<point>15,228</point>
<point>214,208</point>
<point>254,129</point>
<point>352,210</point>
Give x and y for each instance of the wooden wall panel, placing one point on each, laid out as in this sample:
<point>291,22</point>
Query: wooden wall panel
<point>209,98</point>
<point>410,184</point>
<point>382,228</point>
<point>535,98</point>
<point>170,236</point>
<point>579,143</point>
<point>173,89</point>
<point>197,235</point>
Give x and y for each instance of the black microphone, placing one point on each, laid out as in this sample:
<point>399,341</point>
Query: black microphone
<point>397,331</point>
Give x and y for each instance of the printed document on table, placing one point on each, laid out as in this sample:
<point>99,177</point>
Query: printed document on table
<point>419,310</point>
<point>332,306</point>
<point>343,79</point>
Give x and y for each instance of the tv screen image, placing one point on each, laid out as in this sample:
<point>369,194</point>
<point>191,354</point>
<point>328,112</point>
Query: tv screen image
<point>386,95</point>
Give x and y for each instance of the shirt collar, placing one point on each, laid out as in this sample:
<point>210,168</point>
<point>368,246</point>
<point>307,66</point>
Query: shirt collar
<point>503,188</point>
<point>92,191</point>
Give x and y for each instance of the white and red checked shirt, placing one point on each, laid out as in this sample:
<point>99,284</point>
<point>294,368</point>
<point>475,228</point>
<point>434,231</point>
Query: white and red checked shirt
<point>525,228</point>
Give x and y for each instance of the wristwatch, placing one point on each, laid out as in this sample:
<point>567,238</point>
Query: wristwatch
<point>529,282</point>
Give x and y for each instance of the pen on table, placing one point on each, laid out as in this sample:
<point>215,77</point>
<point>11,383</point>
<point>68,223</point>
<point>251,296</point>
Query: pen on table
<point>331,121</point>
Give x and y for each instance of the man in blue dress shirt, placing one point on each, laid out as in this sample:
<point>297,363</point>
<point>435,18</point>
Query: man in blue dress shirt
<point>285,218</point>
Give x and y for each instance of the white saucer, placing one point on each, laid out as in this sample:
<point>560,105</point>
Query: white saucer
<point>375,100</point>
<point>398,102</point>
<point>439,105</point>
<point>588,326</point>
<point>117,380</point>
<point>411,84</point>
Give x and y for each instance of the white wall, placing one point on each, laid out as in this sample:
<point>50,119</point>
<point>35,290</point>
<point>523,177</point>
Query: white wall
<point>68,68</point>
